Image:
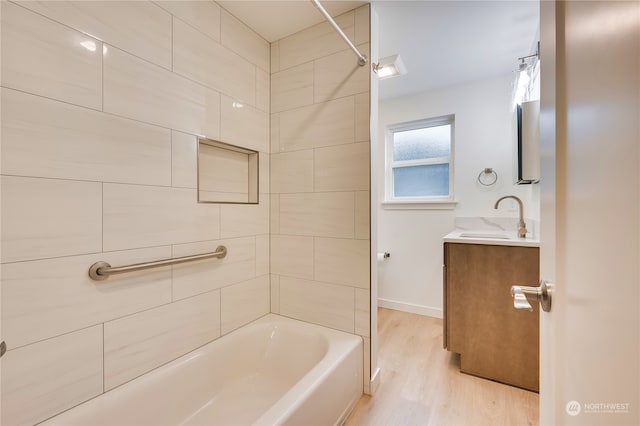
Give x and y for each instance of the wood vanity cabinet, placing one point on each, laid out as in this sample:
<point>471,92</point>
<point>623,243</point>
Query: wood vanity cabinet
<point>494,340</point>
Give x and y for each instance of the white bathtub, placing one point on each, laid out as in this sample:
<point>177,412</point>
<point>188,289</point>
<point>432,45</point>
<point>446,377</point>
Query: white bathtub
<point>273,371</point>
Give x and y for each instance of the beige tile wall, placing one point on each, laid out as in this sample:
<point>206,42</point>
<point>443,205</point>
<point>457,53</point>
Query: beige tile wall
<point>73,72</point>
<point>70,373</point>
<point>137,343</point>
<point>102,103</point>
<point>320,232</point>
<point>99,163</point>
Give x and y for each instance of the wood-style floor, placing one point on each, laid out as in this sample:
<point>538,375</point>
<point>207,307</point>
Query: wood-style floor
<point>421,383</point>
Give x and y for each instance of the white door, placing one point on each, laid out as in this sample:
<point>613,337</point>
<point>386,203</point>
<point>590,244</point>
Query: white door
<point>590,215</point>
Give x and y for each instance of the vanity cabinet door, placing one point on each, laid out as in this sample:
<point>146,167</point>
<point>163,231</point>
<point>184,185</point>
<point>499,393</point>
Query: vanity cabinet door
<point>494,339</point>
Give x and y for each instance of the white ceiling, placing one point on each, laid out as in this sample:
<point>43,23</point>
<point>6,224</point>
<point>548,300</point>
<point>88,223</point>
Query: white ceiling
<point>274,20</point>
<point>442,43</point>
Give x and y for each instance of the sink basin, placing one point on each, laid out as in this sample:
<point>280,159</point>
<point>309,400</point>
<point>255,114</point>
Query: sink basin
<point>491,237</point>
<point>484,236</point>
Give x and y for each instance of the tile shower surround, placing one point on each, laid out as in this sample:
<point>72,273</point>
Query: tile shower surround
<point>101,105</point>
<point>320,232</point>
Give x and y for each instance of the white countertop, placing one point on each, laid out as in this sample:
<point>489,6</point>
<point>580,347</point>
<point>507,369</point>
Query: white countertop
<point>490,237</point>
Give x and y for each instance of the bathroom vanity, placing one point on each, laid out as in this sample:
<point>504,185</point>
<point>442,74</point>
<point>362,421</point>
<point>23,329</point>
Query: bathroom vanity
<point>494,340</point>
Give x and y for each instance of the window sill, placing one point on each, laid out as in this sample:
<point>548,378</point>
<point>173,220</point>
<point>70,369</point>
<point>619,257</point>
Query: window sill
<point>419,205</point>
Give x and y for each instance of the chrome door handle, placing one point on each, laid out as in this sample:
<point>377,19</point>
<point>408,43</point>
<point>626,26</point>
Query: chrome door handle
<point>541,294</point>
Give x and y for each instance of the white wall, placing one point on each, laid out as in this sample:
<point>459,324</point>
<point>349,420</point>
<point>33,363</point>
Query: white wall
<point>411,279</point>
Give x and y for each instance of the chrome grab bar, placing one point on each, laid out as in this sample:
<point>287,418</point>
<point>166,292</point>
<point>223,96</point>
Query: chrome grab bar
<point>100,271</point>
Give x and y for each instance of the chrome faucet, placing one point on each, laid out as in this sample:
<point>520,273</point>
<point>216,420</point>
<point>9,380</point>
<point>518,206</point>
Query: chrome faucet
<point>522,227</point>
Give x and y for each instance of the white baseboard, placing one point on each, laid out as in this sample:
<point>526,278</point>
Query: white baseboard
<point>411,308</point>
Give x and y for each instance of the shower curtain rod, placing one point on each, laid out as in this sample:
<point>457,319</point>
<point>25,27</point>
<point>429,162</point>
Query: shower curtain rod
<point>362,59</point>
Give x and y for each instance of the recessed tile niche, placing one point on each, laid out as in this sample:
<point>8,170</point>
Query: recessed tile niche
<point>226,173</point>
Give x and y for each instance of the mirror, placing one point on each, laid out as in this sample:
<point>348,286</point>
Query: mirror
<point>226,173</point>
<point>528,147</point>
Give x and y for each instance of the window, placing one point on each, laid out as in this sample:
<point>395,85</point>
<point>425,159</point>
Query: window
<point>419,161</point>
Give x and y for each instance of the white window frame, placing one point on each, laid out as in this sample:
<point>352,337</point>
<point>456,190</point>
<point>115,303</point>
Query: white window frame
<point>425,202</point>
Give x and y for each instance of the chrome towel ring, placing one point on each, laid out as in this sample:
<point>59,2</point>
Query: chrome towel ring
<point>488,177</point>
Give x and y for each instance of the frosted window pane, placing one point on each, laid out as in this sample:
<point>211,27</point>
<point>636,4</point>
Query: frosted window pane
<point>418,144</point>
<point>421,181</point>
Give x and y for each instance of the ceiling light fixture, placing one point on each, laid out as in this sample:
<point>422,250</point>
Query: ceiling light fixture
<point>389,66</point>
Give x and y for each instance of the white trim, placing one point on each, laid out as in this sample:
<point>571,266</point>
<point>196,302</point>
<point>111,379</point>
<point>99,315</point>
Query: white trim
<point>424,162</point>
<point>389,164</point>
<point>427,311</point>
<point>419,205</point>
<point>422,123</point>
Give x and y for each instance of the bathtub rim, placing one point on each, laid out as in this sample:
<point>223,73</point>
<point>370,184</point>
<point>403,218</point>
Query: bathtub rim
<point>319,372</point>
<point>276,413</point>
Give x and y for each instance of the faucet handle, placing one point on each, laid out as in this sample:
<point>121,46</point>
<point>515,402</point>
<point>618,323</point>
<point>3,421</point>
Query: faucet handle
<point>522,229</point>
